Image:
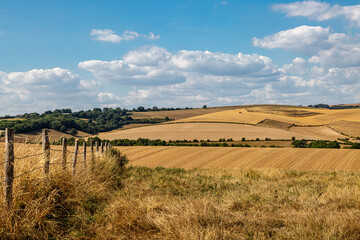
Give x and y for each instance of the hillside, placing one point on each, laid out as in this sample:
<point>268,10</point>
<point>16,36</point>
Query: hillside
<point>251,122</point>
<point>214,131</point>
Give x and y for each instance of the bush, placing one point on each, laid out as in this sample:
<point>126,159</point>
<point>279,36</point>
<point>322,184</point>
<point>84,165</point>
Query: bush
<point>324,144</point>
<point>299,143</point>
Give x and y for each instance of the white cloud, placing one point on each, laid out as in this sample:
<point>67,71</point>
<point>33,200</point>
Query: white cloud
<point>44,89</point>
<point>341,55</point>
<point>303,39</point>
<point>108,35</point>
<point>320,11</point>
<point>156,66</point>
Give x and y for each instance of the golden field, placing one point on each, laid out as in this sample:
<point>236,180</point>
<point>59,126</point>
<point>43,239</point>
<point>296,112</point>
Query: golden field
<point>214,131</point>
<point>251,122</point>
<point>293,115</point>
<point>108,201</point>
<point>244,158</point>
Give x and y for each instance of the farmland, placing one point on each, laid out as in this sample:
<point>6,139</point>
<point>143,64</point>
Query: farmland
<point>244,158</point>
<point>251,122</point>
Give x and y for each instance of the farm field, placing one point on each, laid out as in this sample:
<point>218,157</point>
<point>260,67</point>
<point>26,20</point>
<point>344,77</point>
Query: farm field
<point>180,114</point>
<point>251,122</point>
<point>291,115</point>
<point>214,131</point>
<point>244,158</point>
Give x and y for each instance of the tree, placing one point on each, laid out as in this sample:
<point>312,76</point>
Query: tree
<point>299,143</point>
<point>204,107</point>
<point>73,132</point>
<point>63,129</point>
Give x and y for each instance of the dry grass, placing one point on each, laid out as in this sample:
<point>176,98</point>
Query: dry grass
<point>244,158</point>
<point>144,203</point>
<point>207,204</point>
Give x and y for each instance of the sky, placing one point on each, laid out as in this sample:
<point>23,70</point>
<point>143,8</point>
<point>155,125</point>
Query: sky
<point>185,53</point>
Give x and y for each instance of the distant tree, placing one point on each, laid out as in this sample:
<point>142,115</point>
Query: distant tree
<point>204,107</point>
<point>140,109</point>
<point>63,129</point>
<point>73,131</point>
<point>299,143</point>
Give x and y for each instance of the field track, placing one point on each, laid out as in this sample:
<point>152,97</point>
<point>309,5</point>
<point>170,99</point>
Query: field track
<point>240,158</point>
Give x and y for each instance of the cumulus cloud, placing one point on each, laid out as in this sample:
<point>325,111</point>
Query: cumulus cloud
<point>156,66</point>
<point>108,35</point>
<point>320,11</point>
<point>303,39</point>
<point>44,89</point>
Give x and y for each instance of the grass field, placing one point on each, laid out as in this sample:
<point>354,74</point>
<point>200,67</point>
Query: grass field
<point>197,192</point>
<point>110,202</point>
<point>240,158</point>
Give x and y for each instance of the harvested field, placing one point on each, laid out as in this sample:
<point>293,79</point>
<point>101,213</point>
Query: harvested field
<point>320,132</point>
<point>274,124</point>
<point>244,158</point>
<point>214,131</point>
<point>203,131</point>
<point>350,128</point>
<point>180,114</point>
<point>291,115</point>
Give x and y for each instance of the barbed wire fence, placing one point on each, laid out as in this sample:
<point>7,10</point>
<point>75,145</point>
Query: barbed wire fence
<point>9,163</point>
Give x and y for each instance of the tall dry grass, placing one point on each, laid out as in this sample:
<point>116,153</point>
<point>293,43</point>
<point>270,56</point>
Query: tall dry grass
<point>111,202</point>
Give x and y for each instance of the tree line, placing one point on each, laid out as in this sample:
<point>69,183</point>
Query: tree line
<point>66,121</point>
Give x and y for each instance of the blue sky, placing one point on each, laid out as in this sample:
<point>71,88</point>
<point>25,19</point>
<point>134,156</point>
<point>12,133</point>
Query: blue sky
<point>85,54</point>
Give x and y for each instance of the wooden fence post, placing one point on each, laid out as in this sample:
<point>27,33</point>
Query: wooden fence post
<point>9,166</point>
<point>46,150</point>
<point>92,153</point>
<point>102,146</point>
<point>97,146</point>
<point>75,157</point>
<point>84,148</point>
<point>64,153</point>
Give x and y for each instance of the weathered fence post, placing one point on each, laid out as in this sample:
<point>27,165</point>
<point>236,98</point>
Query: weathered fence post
<point>92,153</point>
<point>84,148</point>
<point>102,146</point>
<point>75,157</point>
<point>9,166</point>
<point>46,150</point>
<point>64,153</point>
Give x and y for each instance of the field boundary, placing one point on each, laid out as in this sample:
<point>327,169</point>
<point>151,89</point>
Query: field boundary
<point>9,161</point>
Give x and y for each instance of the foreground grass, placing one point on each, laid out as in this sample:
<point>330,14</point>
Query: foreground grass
<point>144,203</point>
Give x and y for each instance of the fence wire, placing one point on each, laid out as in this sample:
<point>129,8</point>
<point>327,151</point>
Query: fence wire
<point>28,172</point>
<point>55,150</point>
<point>27,156</point>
